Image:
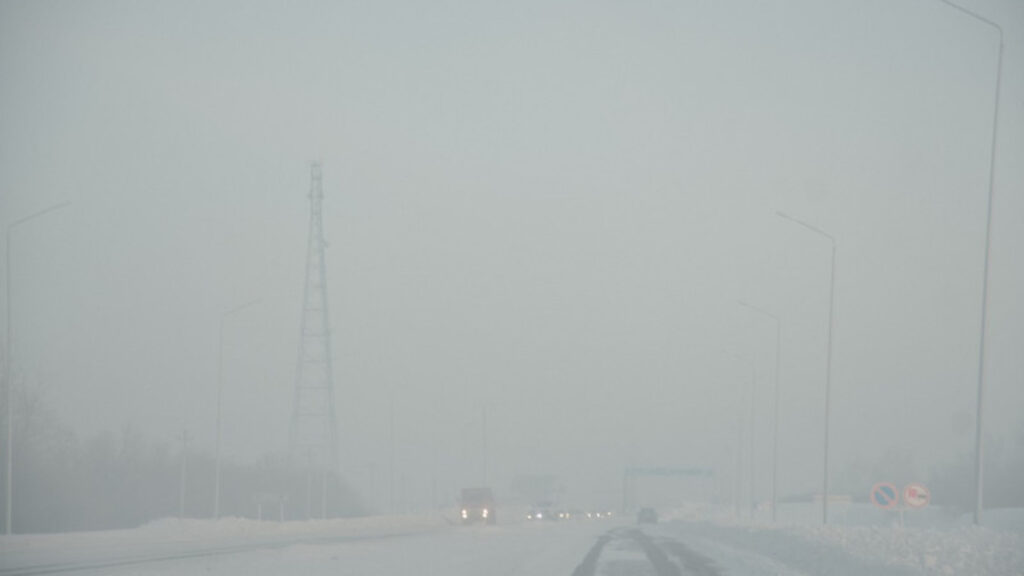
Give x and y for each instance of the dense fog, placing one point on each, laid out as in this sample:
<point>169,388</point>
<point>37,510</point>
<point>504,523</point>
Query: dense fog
<point>557,237</point>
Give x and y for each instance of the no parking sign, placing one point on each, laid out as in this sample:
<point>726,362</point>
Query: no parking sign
<point>885,496</point>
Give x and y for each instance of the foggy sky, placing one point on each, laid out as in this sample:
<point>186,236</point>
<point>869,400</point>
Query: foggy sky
<point>547,211</point>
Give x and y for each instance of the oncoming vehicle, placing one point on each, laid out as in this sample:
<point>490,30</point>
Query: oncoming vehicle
<point>477,505</point>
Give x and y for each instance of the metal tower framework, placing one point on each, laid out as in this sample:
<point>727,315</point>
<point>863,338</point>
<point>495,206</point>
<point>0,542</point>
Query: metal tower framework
<point>314,430</point>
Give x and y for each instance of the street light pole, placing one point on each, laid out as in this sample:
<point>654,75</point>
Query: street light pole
<point>220,394</point>
<point>978,442</point>
<point>184,474</point>
<point>828,364</point>
<point>391,457</point>
<point>8,360</point>
<point>753,391</point>
<point>775,433</point>
<point>483,441</point>
<point>738,482</point>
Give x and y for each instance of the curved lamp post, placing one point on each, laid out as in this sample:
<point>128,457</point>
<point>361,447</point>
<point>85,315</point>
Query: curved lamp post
<point>8,360</point>
<point>828,365</point>
<point>978,443</point>
<point>220,393</point>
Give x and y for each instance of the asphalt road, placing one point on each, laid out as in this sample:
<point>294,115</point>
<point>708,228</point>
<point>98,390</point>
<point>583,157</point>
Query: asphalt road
<point>631,551</point>
<point>570,548</point>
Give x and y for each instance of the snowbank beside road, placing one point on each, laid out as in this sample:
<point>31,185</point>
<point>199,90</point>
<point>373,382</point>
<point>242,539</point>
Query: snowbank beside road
<point>172,536</point>
<point>836,549</point>
<point>247,528</point>
<point>967,550</point>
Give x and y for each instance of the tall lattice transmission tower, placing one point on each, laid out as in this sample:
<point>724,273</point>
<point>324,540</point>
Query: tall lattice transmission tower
<point>314,429</point>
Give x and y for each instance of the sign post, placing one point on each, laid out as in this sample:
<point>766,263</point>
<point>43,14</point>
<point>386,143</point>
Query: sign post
<point>885,496</point>
<point>915,496</point>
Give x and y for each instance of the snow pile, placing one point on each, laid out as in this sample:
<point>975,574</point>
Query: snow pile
<point>170,537</point>
<point>967,550</point>
<point>937,550</point>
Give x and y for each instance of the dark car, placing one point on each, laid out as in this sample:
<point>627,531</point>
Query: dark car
<point>647,516</point>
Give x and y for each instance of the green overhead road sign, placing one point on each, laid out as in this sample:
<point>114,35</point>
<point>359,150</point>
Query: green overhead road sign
<point>662,471</point>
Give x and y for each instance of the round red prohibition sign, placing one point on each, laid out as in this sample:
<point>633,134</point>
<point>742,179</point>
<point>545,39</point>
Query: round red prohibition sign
<point>916,495</point>
<point>885,496</point>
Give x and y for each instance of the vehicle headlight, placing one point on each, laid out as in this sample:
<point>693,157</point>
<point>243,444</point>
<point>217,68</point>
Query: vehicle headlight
<point>465,514</point>
<point>485,513</point>
<point>539,515</point>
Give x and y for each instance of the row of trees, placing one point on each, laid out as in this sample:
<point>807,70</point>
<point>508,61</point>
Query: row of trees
<point>122,479</point>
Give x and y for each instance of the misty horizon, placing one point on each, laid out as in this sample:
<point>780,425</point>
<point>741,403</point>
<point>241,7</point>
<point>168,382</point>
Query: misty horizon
<point>547,214</point>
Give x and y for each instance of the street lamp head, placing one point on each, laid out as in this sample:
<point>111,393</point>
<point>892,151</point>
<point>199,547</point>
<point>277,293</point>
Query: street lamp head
<point>810,227</point>
<point>758,309</point>
<point>242,306</point>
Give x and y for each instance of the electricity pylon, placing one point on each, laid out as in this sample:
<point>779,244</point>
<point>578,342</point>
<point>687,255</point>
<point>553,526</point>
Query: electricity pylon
<point>314,431</point>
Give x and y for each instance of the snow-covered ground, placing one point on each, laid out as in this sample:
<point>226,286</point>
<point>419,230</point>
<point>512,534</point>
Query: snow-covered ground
<point>172,537</point>
<point>385,545</point>
<point>846,550</point>
<point>930,543</point>
<point>706,539</point>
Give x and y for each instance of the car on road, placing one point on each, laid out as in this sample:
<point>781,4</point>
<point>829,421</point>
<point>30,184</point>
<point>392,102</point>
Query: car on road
<point>539,514</point>
<point>647,516</point>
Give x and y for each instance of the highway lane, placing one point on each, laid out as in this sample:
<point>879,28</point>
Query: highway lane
<point>514,549</point>
<point>567,548</point>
